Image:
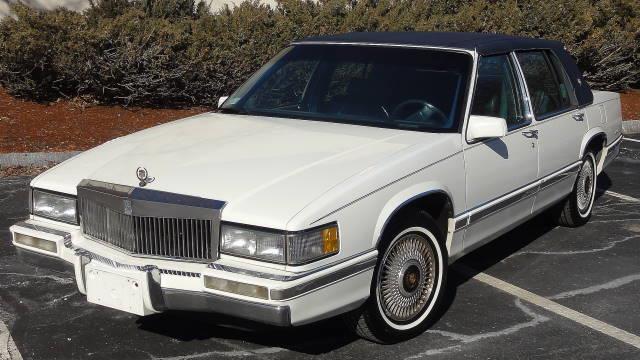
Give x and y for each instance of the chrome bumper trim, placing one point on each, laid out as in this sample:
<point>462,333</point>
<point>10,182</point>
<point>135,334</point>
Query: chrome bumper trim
<point>313,284</point>
<point>291,277</point>
<point>323,281</point>
<point>279,315</point>
<point>26,225</point>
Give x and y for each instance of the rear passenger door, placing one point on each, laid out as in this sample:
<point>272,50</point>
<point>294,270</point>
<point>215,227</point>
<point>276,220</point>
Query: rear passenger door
<point>500,172</point>
<point>560,124</point>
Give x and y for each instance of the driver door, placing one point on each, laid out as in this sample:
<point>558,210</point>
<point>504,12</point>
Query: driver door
<point>500,171</point>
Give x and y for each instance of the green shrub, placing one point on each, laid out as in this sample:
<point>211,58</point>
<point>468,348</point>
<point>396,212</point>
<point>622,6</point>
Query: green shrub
<point>36,49</point>
<point>177,51</point>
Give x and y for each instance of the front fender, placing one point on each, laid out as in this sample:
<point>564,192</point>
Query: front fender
<point>400,199</point>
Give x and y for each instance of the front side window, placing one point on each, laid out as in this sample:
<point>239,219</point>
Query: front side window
<point>497,92</point>
<point>413,89</point>
<point>549,94</point>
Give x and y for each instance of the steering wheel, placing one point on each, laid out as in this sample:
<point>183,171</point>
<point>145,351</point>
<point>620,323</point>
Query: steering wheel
<point>421,109</point>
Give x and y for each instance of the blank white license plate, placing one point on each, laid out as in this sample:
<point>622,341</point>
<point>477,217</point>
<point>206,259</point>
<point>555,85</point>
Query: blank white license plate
<point>114,290</point>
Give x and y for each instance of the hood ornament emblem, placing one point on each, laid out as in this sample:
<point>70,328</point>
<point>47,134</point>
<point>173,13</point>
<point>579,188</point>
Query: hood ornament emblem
<point>143,176</point>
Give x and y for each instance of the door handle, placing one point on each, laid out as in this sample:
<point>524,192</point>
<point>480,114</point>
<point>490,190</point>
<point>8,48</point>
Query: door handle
<point>578,116</point>
<point>530,134</point>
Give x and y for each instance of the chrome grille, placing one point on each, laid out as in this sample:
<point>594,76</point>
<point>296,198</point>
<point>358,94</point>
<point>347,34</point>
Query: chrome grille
<point>183,238</point>
<point>105,224</point>
<point>110,219</point>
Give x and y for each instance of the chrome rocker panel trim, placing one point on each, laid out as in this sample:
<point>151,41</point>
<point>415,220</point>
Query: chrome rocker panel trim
<point>491,207</point>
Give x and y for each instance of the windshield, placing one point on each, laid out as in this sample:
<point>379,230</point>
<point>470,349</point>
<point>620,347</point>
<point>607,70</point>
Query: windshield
<point>413,89</point>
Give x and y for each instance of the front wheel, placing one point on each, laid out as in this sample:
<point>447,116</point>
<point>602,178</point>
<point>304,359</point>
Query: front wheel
<point>407,285</point>
<point>575,210</point>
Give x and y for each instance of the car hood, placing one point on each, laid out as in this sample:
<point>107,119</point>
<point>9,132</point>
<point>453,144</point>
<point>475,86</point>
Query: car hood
<point>266,169</point>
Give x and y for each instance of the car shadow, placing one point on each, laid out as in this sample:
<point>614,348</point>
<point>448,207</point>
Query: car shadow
<point>604,183</point>
<point>313,339</point>
<point>490,254</point>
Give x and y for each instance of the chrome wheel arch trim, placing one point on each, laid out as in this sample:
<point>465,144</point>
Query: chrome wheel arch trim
<point>399,201</point>
<point>589,136</point>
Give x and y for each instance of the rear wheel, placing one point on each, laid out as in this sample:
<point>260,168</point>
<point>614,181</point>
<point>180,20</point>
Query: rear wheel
<point>575,210</point>
<point>407,285</point>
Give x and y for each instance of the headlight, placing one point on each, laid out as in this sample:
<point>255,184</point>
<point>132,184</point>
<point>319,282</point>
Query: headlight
<point>252,243</point>
<point>281,247</point>
<point>54,206</point>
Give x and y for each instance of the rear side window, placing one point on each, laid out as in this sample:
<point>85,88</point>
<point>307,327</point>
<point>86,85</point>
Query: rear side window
<point>547,88</point>
<point>497,92</point>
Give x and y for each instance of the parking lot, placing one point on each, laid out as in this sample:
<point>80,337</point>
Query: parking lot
<point>538,291</point>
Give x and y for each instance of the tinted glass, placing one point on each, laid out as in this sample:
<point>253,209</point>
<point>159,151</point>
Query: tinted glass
<point>497,92</point>
<point>548,95</point>
<point>379,86</point>
<point>566,88</point>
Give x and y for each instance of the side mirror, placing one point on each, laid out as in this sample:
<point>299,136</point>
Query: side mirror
<point>221,100</point>
<point>485,127</point>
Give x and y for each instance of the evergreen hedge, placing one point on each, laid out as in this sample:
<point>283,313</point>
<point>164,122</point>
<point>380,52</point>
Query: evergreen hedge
<point>168,52</point>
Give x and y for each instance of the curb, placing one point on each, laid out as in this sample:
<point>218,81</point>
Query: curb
<point>631,127</point>
<point>45,158</point>
<point>35,159</point>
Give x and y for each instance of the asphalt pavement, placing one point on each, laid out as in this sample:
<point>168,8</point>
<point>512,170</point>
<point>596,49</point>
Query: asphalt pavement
<point>539,291</point>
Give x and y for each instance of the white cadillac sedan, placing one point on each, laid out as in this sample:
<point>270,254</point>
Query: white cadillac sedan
<point>342,178</point>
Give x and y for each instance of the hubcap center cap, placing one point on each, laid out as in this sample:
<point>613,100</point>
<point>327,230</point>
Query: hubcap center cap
<point>587,185</point>
<point>411,278</point>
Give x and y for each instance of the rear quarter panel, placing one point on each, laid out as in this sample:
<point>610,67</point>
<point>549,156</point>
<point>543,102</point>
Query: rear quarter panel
<point>605,114</point>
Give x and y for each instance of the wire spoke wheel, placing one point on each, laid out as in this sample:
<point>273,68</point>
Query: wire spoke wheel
<point>406,279</point>
<point>585,186</point>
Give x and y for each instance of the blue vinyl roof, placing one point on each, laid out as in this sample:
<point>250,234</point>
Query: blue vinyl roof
<point>483,43</point>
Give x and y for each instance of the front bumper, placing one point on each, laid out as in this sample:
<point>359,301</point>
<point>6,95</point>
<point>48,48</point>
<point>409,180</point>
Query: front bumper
<point>292,298</point>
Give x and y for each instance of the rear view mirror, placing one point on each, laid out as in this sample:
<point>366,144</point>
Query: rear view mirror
<point>485,127</point>
<point>221,100</point>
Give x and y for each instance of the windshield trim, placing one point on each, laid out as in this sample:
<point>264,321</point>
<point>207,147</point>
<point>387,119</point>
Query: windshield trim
<point>465,93</point>
<point>344,121</point>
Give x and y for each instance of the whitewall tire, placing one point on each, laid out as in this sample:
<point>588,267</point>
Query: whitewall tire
<point>408,283</point>
<point>576,209</point>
